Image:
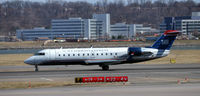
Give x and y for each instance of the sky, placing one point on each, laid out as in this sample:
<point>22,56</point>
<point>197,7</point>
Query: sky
<point>90,1</point>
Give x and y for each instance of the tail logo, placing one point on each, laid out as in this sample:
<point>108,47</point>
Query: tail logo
<point>165,42</point>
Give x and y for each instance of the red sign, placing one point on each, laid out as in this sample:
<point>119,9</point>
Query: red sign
<point>105,79</point>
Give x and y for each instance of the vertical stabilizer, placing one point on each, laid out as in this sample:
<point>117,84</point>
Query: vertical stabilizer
<point>166,40</point>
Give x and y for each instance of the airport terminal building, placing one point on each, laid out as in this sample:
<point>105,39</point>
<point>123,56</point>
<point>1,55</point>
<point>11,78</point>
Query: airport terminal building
<point>97,28</point>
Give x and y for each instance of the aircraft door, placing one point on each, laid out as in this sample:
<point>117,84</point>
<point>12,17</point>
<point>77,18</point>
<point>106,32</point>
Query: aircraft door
<point>47,55</point>
<point>52,54</point>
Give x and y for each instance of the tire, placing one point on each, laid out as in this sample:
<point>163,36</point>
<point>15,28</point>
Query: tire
<point>36,68</point>
<point>105,67</point>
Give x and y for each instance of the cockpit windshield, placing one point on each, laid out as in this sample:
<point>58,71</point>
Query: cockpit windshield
<point>39,54</point>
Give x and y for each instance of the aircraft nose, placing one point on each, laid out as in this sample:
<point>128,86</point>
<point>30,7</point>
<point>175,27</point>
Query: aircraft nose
<point>29,60</point>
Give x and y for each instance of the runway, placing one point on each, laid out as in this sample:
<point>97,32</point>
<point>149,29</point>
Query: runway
<point>133,71</point>
<point>153,78</point>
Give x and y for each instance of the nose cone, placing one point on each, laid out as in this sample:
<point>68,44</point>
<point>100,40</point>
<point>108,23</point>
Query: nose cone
<point>29,60</point>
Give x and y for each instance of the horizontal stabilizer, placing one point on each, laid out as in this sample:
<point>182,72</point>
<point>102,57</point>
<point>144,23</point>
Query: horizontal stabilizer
<point>171,32</point>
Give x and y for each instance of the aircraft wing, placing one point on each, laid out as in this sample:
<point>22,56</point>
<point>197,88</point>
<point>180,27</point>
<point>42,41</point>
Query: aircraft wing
<point>95,61</point>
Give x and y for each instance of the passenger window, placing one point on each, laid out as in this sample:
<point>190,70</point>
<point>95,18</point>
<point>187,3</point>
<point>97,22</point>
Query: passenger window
<point>59,55</point>
<point>73,54</point>
<point>101,53</point>
<point>106,53</point>
<point>110,53</point>
<point>63,54</point>
<point>68,54</point>
<point>78,54</point>
<point>92,54</point>
<point>88,54</point>
<point>115,53</point>
<point>97,54</point>
<point>83,54</point>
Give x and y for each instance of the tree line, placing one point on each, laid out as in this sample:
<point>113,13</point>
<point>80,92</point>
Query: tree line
<point>18,14</point>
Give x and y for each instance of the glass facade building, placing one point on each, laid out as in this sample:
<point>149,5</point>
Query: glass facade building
<point>129,31</point>
<point>186,24</point>
<point>72,28</point>
<point>121,29</point>
<point>172,23</point>
<point>33,34</point>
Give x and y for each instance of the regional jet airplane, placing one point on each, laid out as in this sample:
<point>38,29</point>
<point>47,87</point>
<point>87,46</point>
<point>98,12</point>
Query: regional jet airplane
<point>104,56</point>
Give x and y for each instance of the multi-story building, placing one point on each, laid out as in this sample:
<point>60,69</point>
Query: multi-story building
<point>172,23</point>
<point>72,28</point>
<point>34,34</point>
<point>186,24</point>
<point>105,18</point>
<point>93,29</point>
<point>129,31</point>
<point>77,28</point>
<point>88,29</point>
<point>121,29</point>
<point>189,26</point>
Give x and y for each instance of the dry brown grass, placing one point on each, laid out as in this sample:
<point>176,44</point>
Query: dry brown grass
<point>187,42</point>
<point>37,44</point>
<point>28,44</point>
<point>33,84</point>
<point>180,56</point>
<point>13,59</point>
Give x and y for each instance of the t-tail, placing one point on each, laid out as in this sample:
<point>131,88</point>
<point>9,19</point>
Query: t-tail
<point>166,40</point>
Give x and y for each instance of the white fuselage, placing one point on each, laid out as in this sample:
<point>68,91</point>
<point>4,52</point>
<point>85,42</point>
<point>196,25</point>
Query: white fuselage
<point>93,56</point>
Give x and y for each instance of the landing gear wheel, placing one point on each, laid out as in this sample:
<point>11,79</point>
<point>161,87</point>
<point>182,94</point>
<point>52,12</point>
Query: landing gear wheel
<point>105,67</point>
<point>36,68</point>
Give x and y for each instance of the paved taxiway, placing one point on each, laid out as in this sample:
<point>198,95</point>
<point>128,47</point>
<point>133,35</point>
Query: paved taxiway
<point>144,79</point>
<point>154,90</point>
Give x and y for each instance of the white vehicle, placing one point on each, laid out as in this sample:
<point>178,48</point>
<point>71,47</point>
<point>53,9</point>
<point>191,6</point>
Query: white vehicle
<point>104,56</point>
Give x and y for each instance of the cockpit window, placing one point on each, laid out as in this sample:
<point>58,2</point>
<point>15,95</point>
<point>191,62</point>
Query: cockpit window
<point>39,53</point>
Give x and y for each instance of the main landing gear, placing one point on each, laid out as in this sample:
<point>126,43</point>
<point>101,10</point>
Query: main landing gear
<point>104,67</point>
<point>36,67</point>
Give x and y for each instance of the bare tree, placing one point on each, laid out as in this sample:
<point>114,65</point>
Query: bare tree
<point>17,14</point>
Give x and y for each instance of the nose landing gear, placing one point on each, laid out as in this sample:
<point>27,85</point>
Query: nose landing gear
<point>36,68</point>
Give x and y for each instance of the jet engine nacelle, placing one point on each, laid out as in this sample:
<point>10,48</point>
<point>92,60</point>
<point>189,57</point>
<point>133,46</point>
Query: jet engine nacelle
<point>134,51</point>
<point>137,52</point>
